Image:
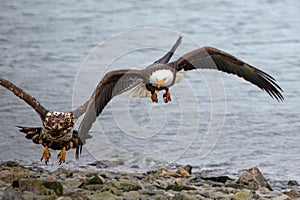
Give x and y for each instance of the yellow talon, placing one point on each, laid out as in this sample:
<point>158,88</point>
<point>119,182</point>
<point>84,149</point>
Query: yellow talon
<point>154,97</point>
<point>46,155</point>
<point>62,155</point>
<point>167,97</point>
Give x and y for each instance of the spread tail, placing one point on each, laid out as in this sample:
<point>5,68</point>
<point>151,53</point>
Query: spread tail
<point>32,133</point>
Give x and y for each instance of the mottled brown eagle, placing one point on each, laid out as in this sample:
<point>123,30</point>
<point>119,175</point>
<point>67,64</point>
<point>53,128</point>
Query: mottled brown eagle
<point>57,127</point>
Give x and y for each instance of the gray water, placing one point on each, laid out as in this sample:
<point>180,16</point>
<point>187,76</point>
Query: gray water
<point>44,45</point>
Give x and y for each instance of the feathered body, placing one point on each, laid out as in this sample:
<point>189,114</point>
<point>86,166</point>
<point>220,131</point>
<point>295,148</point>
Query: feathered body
<point>56,131</point>
<point>162,74</point>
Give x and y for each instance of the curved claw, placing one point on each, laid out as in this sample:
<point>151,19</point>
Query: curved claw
<point>62,155</point>
<point>46,155</point>
<point>167,97</point>
<point>154,98</point>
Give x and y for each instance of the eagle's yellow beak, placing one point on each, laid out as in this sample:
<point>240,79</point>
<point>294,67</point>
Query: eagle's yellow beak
<point>159,83</point>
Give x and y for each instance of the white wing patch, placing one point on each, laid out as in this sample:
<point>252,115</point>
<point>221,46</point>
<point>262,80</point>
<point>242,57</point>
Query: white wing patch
<point>180,75</point>
<point>140,91</point>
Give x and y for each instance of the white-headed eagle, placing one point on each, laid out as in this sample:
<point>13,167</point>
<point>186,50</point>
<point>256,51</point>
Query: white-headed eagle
<point>162,74</point>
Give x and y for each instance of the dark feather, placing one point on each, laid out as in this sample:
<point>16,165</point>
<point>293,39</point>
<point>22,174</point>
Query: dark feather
<point>112,84</point>
<point>33,134</point>
<point>80,110</point>
<point>212,58</point>
<point>30,100</point>
<point>166,58</point>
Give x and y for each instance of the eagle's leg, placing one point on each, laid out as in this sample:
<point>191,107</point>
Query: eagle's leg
<point>46,155</point>
<point>154,97</point>
<point>62,155</point>
<point>167,96</point>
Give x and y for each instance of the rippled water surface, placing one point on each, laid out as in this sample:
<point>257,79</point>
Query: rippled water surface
<point>47,48</point>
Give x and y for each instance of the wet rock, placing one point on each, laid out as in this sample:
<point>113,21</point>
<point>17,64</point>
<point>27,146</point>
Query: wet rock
<point>10,194</point>
<point>55,186</point>
<point>60,171</point>
<point>93,183</point>
<point>8,174</point>
<point>127,185</point>
<point>182,172</point>
<point>293,194</point>
<point>176,187</point>
<point>95,180</point>
<point>76,196</point>
<point>163,172</point>
<point>221,179</point>
<point>31,195</point>
<point>188,168</point>
<point>183,196</point>
<point>282,197</point>
<point>106,163</point>
<point>111,189</point>
<point>293,183</point>
<point>242,195</point>
<point>254,179</point>
<point>11,164</point>
<point>102,196</point>
<point>160,184</point>
<point>135,166</point>
<point>39,187</point>
<point>131,195</point>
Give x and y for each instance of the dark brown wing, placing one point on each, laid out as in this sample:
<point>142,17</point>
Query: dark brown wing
<point>165,59</point>
<point>168,56</point>
<point>80,110</point>
<point>24,96</point>
<point>212,58</point>
<point>112,84</point>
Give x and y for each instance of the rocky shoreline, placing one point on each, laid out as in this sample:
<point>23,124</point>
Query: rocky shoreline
<point>19,182</point>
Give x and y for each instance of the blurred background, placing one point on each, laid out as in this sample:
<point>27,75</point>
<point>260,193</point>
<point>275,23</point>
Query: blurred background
<point>44,45</point>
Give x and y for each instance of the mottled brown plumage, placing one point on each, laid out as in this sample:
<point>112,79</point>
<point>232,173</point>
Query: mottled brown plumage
<point>57,127</point>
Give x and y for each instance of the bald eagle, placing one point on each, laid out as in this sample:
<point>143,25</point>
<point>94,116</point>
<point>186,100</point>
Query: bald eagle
<point>57,127</point>
<point>162,74</point>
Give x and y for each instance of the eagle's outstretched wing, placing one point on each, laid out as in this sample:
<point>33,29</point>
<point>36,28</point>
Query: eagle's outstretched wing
<point>80,110</point>
<point>24,96</point>
<point>112,84</point>
<point>166,58</point>
<point>212,58</point>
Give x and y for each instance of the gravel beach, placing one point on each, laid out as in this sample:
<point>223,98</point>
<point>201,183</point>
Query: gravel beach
<point>19,182</point>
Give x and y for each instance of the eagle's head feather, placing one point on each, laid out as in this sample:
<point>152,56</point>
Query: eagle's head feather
<point>162,78</point>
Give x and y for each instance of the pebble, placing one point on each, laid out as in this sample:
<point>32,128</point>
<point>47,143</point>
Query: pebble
<point>172,184</point>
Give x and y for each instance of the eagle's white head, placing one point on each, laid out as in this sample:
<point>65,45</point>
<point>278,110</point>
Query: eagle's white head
<point>162,78</point>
